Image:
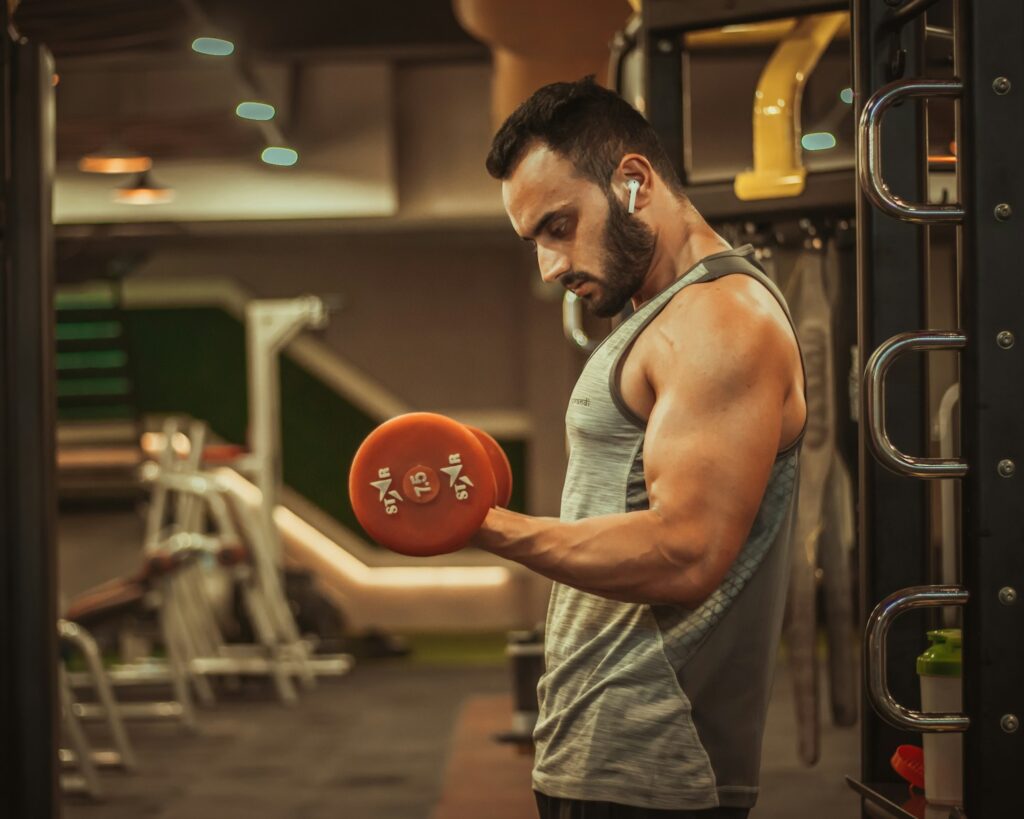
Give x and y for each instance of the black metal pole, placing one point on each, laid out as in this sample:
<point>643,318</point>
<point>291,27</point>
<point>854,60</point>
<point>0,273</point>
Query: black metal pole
<point>993,405</point>
<point>891,255</point>
<point>28,608</point>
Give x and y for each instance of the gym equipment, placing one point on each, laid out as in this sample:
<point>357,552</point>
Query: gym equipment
<point>813,323</point>
<point>269,325</point>
<point>243,547</point>
<point>81,755</point>
<point>122,756</point>
<point>421,484</point>
<point>28,685</point>
<point>184,565</point>
<point>499,463</point>
<point>778,170</point>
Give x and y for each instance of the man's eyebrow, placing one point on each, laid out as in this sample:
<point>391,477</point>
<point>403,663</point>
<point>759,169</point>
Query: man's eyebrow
<point>541,224</point>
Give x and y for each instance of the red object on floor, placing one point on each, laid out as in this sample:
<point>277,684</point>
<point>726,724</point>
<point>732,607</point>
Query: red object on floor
<point>908,762</point>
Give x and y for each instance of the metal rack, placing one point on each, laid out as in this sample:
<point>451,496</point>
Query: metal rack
<point>665,23</point>
<point>992,306</point>
<point>892,272</point>
<point>893,525</point>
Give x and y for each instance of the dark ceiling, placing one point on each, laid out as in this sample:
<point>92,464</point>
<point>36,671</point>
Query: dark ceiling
<point>126,35</point>
<point>263,28</point>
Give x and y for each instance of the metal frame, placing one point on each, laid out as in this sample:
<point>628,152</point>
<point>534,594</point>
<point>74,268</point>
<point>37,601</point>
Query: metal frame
<point>705,13</point>
<point>664,23</point>
<point>29,718</point>
<point>201,501</point>
<point>876,658</point>
<point>869,152</point>
<point>992,391</point>
<point>874,405</point>
<point>778,169</point>
<point>989,61</point>
<point>269,325</point>
<point>892,254</point>
<point>123,755</point>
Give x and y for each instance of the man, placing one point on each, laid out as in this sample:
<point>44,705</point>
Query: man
<point>670,558</point>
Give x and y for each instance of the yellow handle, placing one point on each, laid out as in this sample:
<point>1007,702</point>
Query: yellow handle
<point>778,169</point>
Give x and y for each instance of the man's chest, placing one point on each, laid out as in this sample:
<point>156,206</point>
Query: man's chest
<point>633,384</point>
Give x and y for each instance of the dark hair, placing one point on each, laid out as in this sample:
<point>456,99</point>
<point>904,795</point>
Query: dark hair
<point>589,125</point>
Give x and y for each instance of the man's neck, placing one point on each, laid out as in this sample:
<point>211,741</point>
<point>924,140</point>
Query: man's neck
<point>677,252</point>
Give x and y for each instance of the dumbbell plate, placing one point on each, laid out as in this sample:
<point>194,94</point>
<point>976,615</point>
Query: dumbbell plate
<point>499,463</point>
<point>421,484</point>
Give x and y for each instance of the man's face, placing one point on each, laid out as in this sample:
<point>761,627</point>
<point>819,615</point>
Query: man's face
<point>584,239</point>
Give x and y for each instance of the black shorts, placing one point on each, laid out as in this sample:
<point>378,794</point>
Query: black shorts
<point>549,807</point>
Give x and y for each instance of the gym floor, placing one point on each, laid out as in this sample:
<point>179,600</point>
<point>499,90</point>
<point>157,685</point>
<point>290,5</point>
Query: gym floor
<point>402,738</point>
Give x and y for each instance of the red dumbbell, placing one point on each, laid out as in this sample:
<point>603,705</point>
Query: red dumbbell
<point>421,483</point>
<point>499,463</point>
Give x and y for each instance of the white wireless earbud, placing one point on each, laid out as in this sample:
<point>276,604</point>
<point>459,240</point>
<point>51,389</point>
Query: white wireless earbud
<point>634,186</point>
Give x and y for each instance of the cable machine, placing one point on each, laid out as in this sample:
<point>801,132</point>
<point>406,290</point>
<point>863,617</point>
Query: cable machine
<point>987,65</point>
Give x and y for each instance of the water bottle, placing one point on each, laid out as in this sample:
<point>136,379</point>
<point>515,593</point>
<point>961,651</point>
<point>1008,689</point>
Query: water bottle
<point>940,670</point>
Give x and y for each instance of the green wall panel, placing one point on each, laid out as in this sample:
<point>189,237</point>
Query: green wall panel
<point>190,361</point>
<point>320,433</point>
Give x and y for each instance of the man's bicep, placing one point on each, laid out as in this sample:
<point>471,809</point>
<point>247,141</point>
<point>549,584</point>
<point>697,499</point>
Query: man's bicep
<point>711,440</point>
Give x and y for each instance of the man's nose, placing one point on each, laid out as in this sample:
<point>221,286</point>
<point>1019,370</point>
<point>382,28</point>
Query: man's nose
<point>552,264</point>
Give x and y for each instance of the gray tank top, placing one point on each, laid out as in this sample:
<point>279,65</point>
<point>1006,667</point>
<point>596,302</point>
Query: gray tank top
<point>657,705</point>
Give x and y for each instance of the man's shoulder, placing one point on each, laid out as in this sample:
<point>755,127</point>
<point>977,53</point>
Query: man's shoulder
<point>731,332</point>
<point>736,312</point>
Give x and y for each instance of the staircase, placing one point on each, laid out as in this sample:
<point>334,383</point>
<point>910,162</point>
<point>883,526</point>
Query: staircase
<point>98,418</point>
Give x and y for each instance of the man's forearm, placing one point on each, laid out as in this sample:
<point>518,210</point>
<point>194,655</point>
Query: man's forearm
<point>631,557</point>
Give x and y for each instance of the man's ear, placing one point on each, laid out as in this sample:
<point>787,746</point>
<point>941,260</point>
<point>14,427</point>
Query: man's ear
<point>632,182</point>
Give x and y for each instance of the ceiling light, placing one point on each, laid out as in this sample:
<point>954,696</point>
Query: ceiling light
<point>275,155</point>
<point>142,190</point>
<point>213,46</point>
<point>820,141</point>
<point>114,159</point>
<point>255,110</point>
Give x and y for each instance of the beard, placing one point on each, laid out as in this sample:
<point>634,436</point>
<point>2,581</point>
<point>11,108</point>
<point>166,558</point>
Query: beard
<point>627,254</point>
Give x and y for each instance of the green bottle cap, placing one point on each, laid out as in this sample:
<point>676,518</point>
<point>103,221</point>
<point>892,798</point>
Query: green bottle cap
<point>942,658</point>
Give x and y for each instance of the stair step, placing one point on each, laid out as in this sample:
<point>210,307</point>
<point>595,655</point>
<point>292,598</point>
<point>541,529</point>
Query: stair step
<point>93,387</point>
<point>98,430</point>
<point>92,410</point>
<point>89,330</point>
<point>97,433</point>
<point>91,360</point>
<point>94,295</point>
